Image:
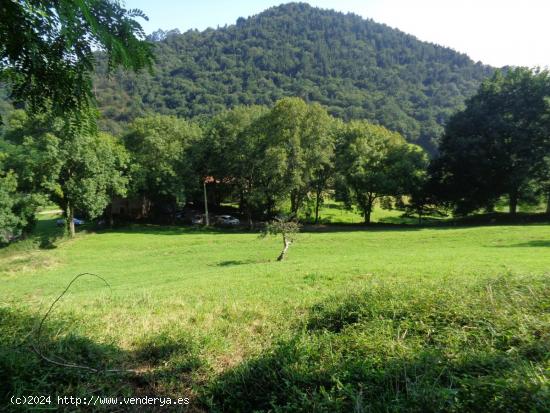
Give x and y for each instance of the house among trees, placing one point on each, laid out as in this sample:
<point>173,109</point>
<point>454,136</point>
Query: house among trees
<point>129,208</point>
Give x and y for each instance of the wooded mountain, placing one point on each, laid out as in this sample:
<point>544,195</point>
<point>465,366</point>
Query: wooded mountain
<point>357,68</point>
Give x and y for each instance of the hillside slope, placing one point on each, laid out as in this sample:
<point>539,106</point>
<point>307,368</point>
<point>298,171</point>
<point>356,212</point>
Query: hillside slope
<point>357,68</point>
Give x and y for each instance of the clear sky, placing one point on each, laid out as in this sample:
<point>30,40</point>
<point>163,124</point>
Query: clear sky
<point>496,32</point>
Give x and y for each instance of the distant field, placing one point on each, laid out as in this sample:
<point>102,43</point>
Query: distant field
<point>335,212</point>
<point>192,308</point>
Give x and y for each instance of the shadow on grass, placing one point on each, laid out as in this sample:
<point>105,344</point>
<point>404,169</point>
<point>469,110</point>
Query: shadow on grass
<point>157,229</point>
<point>48,233</point>
<point>153,229</point>
<point>443,352</point>
<point>535,243</point>
<point>387,224</point>
<point>292,379</point>
<point>408,220</point>
<point>45,234</point>
<point>231,263</point>
<point>164,364</point>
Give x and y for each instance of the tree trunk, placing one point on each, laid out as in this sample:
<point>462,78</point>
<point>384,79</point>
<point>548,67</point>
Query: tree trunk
<point>241,202</point>
<point>513,202</point>
<point>70,220</point>
<point>294,203</point>
<point>246,203</point>
<point>270,207</point>
<point>317,200</point>
<point>287,243</point>
<point>548,204</point>
<point>249,216</point>
<point>206,217</point>
<point>367,207</point>
<point>367,215</point>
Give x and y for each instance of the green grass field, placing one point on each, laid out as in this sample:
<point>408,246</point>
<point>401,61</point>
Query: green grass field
<point>362,319</point>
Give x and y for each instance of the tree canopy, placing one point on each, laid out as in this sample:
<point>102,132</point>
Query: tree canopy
<point>78,172</point>
<point>48,49</point>
<point>499,144</point>
<point>375,162</point>
<point>160,166</point>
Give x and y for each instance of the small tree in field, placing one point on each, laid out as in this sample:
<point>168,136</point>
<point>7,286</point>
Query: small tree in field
<point>288,229</point>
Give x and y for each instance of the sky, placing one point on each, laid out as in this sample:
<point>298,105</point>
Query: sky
<point>495,32</point>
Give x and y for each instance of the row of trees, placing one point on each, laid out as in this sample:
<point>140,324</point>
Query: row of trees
<point>497,147</point>
<point>285,158</point>
<point>265,160</point>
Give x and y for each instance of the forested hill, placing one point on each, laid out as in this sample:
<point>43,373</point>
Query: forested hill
<point>355,67</point>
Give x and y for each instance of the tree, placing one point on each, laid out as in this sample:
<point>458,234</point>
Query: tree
<point>375,162</point>
<point>23,170</point>
<point>321,178</point>
<point>317,143</point>
<point>48,49</point>
<point>303,133</point>
<point>47,55</point>
<point>160,165</point>
<point>79,172</point>
<point>263,158</point>
<point>90,169</point>
<point>283,127</point>
<point>9,221</point>
<point>28,143</point>
<point>422,200</point>
<point>230,152</point>
<point>284,227</point>
<point>497,145</point>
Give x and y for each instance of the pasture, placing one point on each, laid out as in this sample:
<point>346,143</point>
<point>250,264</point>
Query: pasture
<point>379,318</point>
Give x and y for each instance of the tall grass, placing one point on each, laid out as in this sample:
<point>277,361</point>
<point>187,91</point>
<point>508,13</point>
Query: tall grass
<point>482,347</point>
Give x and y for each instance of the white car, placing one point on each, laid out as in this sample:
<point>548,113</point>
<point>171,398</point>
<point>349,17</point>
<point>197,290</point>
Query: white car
<point>227,220</point>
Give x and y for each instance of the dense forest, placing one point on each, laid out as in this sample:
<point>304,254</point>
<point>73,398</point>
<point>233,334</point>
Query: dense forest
<point>356,68</point>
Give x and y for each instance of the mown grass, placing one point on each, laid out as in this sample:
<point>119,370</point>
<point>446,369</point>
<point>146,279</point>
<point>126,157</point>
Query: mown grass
<point>336,213</point>
<point>375,319</point>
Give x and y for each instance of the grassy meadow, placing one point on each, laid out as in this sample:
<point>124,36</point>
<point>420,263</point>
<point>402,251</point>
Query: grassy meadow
<point>441,318</point>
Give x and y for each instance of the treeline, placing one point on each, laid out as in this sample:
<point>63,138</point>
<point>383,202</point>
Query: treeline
<point>286,158</point>
<point>265,160</point>
<point>356,68</point>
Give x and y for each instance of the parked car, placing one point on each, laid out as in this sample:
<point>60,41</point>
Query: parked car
<point>197,220</point>
<point>61,222</point>
<point>227,220</point>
